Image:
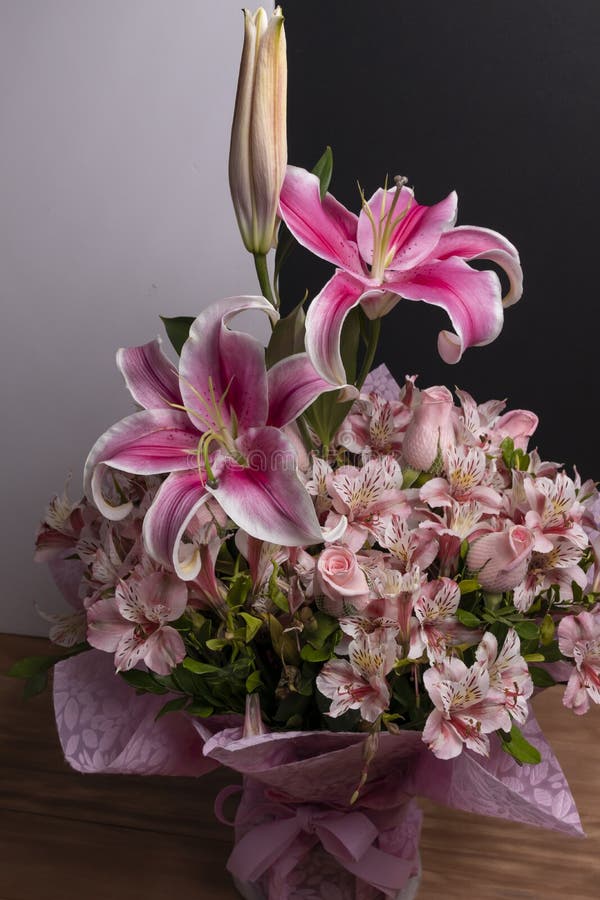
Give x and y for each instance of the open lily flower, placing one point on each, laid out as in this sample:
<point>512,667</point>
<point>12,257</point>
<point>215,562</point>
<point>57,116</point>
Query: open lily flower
<point>216,427</point>
<point>397,248</point>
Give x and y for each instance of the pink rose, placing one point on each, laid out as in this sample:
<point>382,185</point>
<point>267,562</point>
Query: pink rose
<point>501,558</point>
<point>430,429</point>
<point>341,579</point>
<point>518,424</point>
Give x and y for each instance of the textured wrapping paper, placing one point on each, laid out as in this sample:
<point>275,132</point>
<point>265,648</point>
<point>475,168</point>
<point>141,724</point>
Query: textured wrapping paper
<point>104,726</point>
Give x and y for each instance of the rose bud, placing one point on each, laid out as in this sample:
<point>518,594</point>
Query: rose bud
<point>258,151</point>
<point>501,559</point>
<point>430,429</point>
<point>341,579</point>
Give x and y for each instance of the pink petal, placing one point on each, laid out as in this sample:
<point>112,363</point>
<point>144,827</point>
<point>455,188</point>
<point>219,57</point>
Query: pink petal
<point>146,443</point>
<point>151,378</point>
<point>106,626</point>
<point>325,227</point>
<point>416,234</point>
<point>163,597</point>
<point>471,299</point>
<point>265,497</point>
<point>229,362</point>
<point>471,243</point>
<point>164,650</point>
<point>324,323</point>
<point>293,385</point>
<point>177,501</point>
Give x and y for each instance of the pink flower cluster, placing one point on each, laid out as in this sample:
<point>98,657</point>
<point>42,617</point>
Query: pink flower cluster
<point>440,536</point>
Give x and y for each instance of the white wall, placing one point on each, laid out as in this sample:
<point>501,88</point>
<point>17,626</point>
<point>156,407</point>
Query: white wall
<point>114,208</point>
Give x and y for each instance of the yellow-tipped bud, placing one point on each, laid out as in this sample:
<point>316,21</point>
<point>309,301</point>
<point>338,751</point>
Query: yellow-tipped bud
<point>258,151</point>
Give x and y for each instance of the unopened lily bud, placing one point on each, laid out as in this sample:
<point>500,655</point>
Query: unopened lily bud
<point>258,151</point>
<point>253,723</point>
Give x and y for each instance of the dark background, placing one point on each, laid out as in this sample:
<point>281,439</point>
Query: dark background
<point>500,101</point>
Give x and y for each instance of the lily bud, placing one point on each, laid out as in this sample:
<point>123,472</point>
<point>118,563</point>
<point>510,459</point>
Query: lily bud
<point>258,151</point>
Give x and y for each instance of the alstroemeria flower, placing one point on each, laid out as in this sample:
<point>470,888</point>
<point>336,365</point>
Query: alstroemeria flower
<point>216,427</point>
<point>134,624</point>
<point>396,248</point>
<point>510,681</point>
<point>361,683</point>
<point>439,628</point>
<point>464,714</point>
<point>467,479</point>
<point>579,637</point>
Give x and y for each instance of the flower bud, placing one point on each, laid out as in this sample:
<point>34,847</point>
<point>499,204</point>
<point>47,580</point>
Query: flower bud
<point>258,151</point>
<point>501,558</point>
<point>430,429</point>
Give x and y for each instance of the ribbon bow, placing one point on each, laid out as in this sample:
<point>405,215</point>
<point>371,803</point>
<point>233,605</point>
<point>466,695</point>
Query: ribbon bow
<point>293,830</point>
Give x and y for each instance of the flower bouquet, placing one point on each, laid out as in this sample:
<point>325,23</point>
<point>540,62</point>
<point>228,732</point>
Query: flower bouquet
<point>344,589</point>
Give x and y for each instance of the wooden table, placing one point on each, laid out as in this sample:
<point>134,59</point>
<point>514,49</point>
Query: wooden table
<point>67,836</point>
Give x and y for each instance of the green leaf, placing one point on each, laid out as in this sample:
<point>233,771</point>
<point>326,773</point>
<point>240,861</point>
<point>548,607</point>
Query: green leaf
<point>508,448</point>
<point>409,476</point>
<point>325,627</point>
<point>239,589</point>
<point>253,625</point>
<point>323,169</point>
<point>540,677</point>
<point>32,665</point>
<point>528,631</point>
<point>171,706</point>
<point>217,643</point>
<point>253,681</point>
<point>199,668</point>
<point>201,710</point>
<point>547,629</point>
<point>467,618</point>
<point>468,585</point>
<point>287,337</point>
<point>315,654</point>
<point>178,330</point>
<point>275,592</point>
<point>142,681</point>
<point>36,684</point>
<point>515,744</point>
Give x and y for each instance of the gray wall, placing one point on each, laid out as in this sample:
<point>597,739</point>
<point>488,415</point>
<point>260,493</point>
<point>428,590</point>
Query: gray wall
<point>114,208</point>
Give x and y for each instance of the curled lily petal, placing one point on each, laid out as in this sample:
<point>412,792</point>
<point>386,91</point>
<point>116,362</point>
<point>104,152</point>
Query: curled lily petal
<point>178,500</point>
<point>324,322</point>
<point>293,385</point>
<point>145,443</point>
<point>225,367</point>
<point>472,300</point>
<point>323,226</point>
<point>150,376</point>
<point>472,243</point>
<point>264,496</point>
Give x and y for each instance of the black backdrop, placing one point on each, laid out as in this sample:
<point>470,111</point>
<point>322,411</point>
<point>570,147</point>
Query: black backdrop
<point>498,99</point>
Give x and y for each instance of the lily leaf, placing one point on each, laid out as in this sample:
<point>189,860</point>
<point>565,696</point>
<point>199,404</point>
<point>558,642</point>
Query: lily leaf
<point>178,330</point>
<point>515,744</point>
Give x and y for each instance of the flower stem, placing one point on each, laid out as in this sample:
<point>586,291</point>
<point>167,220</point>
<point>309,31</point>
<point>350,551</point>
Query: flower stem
<point>262,272</point>
<point>374,332</point>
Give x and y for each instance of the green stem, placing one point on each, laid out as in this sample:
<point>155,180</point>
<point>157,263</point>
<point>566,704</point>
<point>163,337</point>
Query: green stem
<point>262,272</point>
<point>304,433</point>
<point>375,330</point>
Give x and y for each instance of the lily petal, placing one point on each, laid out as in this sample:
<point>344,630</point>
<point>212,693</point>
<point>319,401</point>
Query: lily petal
<point>265,497</point>
<point>145,443</point>
<point>150,376</point>
<point>324,323</point>
<point>293,385</point>
<point>472,300</point>
<point>418,229</point>
<point>177,501</point>
<point>471,243</point>
<point>217,362</point>
<point>324,227</point>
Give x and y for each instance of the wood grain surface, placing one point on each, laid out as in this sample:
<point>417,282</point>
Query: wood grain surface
<point>67,836</point>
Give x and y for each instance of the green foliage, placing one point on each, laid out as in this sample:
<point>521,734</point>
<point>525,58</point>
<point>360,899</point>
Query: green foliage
<point>514,458</point>
<point>287,337</point>
<point>540,677</point>
<point>468,619</point>
<point>143,682</point>
<point>515,744</point>
<point>178,330</point>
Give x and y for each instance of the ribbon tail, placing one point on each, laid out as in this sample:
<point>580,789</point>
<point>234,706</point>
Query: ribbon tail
<point>257,850</point>
<point>379,869</point>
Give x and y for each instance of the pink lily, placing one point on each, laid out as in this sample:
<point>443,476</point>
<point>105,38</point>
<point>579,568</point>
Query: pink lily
<point>134,626</point>
<point>396,248</point>
<point>216,427</point>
